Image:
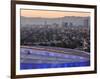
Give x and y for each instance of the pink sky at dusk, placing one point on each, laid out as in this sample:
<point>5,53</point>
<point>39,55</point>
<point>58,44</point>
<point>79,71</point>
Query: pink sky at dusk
<point>51,14</point>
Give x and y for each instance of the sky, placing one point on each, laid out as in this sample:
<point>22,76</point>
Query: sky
<point>51,14</point>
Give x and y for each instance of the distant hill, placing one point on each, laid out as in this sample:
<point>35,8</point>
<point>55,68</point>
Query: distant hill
<point>75,21</point>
